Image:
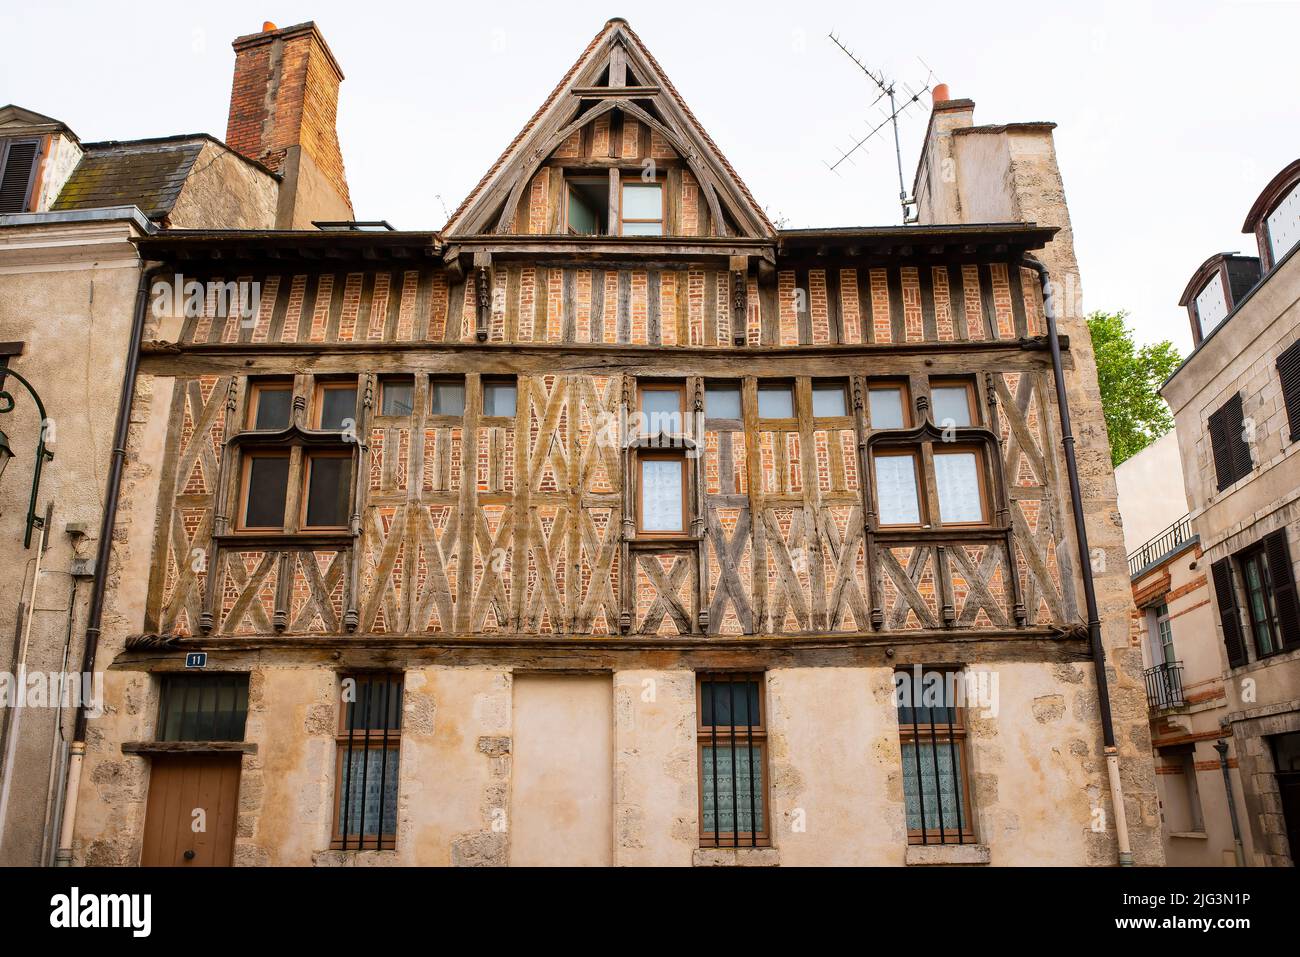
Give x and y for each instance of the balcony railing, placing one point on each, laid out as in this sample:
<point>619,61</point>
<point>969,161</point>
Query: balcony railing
<point>1163,545</point>
<point>1165,686</point>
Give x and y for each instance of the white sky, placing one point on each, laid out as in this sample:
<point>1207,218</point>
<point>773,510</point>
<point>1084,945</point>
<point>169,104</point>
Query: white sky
<point>1172,116</point>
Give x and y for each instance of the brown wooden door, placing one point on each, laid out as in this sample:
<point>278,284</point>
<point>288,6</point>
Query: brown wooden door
<point>179,786</point>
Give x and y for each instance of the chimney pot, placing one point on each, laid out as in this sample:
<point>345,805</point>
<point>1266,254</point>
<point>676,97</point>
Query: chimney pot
<point>268,26</point>
<point>940,93</point>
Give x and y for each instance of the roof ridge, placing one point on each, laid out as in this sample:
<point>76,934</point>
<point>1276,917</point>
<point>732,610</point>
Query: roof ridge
<point>532,121</point>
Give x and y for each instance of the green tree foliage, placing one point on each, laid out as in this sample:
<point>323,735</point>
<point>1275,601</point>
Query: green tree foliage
<point>1130,377</point>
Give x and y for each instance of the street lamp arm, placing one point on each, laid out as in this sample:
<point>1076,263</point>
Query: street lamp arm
<point>42,453</point>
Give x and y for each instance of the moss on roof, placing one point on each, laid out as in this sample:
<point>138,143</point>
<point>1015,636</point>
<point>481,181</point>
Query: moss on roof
<point>147,174</point>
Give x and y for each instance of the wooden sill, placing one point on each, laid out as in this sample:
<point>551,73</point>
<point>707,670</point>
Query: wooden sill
<point>189,747</point>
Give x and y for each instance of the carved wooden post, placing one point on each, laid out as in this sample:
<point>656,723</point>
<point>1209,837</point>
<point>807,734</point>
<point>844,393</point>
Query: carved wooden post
<point>739,299</point>
<point>352,617</point>
<point>868,504</point>
<point>483,295</point>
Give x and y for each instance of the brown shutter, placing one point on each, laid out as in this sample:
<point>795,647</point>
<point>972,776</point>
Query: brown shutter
<point>1282,580</point>
<point>1231,451</point>
<point>1288,370</point>
<point>18,159</point>
<point>1226,595</point>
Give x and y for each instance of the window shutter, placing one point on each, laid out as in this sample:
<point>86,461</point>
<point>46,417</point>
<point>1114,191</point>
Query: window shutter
<point>1226,595</point>
<point>1231,450</point>
<point>1288,370</point>
<point>19,163</point>
<point>1282,579</point>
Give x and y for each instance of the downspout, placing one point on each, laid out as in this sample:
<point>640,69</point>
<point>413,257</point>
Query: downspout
<point>1085,568</point>
<point>95,612</point>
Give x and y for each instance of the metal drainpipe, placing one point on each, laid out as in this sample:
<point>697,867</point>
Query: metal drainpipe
<point>1085,567</point>
<point>95,612</point>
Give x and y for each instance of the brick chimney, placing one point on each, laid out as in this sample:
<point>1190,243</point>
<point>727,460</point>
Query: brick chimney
<point>283,109</point>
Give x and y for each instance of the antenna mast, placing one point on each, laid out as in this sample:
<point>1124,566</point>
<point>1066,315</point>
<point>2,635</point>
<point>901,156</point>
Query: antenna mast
<point>888,89</point>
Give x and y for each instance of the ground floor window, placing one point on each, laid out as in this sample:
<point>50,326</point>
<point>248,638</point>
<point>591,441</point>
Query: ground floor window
<point>932,735</point>
<point>731,731</point>
<point>368,748</point>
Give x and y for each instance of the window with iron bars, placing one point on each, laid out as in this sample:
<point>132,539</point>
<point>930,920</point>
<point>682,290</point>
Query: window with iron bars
<point>731,730</point>
<point>932,733</point>
<point>369,746</point>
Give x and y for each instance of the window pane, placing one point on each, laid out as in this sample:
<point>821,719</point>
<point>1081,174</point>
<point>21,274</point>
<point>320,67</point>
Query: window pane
<point>268,484</point>
<point>886,408</point>
<point>447,396</point>
<point>722,401</point>
<point>956,477</point>
<point>662,409</point>
<point>373,703</point>
<point>336,406</point>
<point>951,405</point>
<point>273,407</point>
<point>369,773</point>
<point>203,708</point>
<point>498,398</point>
<point>828,399</point>
<point>397,398</point>
<point>775,401</point>
<point>736,803</point>
<point>643,229</point>
<point>932,782</point>
<point>582,217</point>
<point>719,699</point>
<point>661,495</point>
<point>327,496</point>
<point>896,490</point>
<point>642,201</point>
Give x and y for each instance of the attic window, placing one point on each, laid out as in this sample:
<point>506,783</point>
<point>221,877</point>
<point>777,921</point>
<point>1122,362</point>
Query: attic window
<point>1284,224</point>
<point>1211,304</point>
<point>17,169</point>
<point>588,206</point>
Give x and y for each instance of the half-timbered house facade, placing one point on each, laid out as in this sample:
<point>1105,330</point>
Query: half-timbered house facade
<point>597,528</point>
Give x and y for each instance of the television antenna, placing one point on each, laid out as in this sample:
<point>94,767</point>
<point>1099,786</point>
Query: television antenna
<point>894,92</point>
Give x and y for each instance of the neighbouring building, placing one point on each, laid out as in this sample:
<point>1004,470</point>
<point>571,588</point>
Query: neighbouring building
<point>1236,404</point>
<point>70,278</point>
<point>600,526</point>
<point>1174,623</point>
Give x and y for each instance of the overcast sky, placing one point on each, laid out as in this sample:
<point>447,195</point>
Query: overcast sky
<point>1172,116</point>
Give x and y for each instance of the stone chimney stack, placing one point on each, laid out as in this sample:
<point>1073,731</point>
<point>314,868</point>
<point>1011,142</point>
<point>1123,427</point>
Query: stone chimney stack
<point>283,109</point>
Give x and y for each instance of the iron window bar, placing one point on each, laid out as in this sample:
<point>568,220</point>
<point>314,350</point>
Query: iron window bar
<point>735,739</point>
<point>370,723</point>
<point>919,724</point>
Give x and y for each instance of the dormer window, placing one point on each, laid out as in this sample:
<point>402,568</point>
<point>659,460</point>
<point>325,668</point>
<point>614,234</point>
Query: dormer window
<point>1275,217</point>
<point>1211,304</point>
<point>18,162</point>
<point>1216,289</point>
<point>1282,226</point>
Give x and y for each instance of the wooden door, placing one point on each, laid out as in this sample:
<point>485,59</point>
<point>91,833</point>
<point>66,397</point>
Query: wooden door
<point>190,817</point>
<point>562,794</point>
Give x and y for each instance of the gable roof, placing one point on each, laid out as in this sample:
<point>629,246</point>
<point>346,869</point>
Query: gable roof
<point>504,180</point>
<point>17,119</point>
